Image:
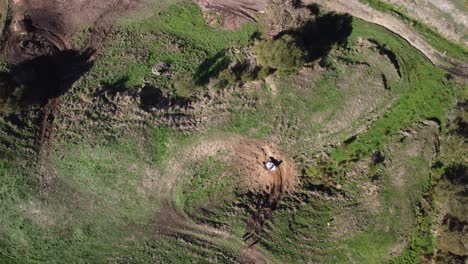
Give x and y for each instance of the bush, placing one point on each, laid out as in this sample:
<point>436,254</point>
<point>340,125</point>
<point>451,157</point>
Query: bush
<point>282,55</point>
<point>226,79</point>
<point>263,73</point>
<point>136,75</point>
<point>183,85</point>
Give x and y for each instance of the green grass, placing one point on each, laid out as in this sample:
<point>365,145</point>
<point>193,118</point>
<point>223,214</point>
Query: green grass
<point>161,138</point>
<point>208,182</point>
<point>454,50</point>
<point>100,208</point>
<point>424,94</point>
<point>301,110</point>
<point>460,4</point>
<point>177,35</point>
<point>107,195</point>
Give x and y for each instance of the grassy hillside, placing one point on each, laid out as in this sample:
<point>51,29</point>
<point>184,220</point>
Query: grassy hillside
<point>361,125</point>
<point>455,50</point>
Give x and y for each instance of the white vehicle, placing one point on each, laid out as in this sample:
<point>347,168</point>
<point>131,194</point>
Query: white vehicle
<point>270,166</point>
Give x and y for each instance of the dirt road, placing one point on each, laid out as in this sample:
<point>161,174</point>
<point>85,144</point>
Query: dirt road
<point>364,12</point>
<point>442,15</point>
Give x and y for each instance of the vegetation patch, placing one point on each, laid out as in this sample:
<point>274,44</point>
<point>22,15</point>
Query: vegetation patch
<point>209,183</point>
<point>281,54</point>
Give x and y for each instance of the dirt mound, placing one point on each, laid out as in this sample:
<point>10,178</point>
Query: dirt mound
<point>232,13</point>
<point>265,189</point>
<point>248,158</point>
<point>251,156</point>
<point>37,33</point>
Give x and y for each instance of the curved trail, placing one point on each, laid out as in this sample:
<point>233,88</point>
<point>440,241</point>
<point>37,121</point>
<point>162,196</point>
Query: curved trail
<point>172,220</point>
<point>364,12</point>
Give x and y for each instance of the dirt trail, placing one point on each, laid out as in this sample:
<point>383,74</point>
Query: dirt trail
<point>442,15</point>
<point>267,188</point>
<point>254,180</point>
<point>364,12</point>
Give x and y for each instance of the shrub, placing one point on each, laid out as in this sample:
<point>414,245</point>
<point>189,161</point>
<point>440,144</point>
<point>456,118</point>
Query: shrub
<point>282,55</point>
<point>263,73</point>
<point>183,85</point>
<point>136,75</point>
<point>226,79</point>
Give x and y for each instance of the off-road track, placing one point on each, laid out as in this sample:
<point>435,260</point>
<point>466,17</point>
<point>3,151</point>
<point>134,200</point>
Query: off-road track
<point>232,13</point>
<point>393,24</point>
<point>266,189</point>
<point>36,42</point>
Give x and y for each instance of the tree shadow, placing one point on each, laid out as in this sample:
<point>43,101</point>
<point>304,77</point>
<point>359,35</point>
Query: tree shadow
<point>113,88</point>
<point>153,98</point>
<point>10,94</point>
<point>318,37</point>
<point>457,174</point>
<point>211,67</point>
<point>50,76</point>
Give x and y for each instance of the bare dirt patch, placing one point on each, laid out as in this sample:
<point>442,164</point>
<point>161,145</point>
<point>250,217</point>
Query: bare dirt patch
<point>232,13</point>
<point>251,157</point>
<point>248,157</point>
<point>38,28</point>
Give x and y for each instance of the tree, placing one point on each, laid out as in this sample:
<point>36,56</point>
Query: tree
<point>281,54</point>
